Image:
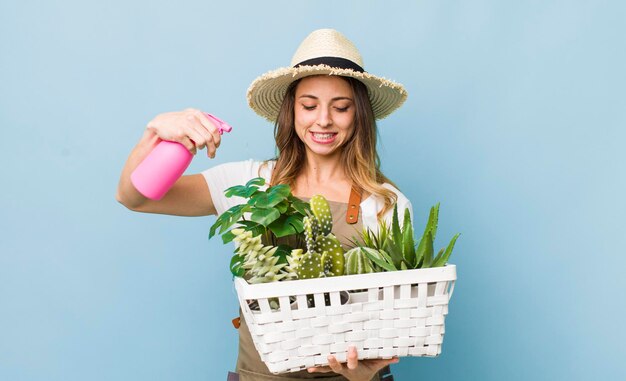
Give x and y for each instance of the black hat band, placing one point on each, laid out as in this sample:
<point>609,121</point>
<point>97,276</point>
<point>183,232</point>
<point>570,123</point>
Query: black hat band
<point>337,62</point>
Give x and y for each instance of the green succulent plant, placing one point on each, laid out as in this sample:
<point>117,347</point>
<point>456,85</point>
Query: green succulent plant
<point>394,248</point>
<point>324,255</point>
<point>274,218</point>
<point>357,261</point>
<point>275,213</point>
<point>270,215</point>
<point>294,260</point>
<point>256,262</point>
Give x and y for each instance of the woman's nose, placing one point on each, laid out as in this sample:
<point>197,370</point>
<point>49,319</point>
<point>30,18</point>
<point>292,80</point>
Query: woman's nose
<point>323,118</point>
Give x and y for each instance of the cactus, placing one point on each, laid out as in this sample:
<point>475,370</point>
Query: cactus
<point>324,256</point>
<point>310,232</point>
<point>321,211</point>
<point>310,266</point>
<point>332,255</point>
<point>357,261</point>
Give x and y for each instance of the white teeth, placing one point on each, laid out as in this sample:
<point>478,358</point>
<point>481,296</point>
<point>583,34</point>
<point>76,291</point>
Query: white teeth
<point>323,136</point>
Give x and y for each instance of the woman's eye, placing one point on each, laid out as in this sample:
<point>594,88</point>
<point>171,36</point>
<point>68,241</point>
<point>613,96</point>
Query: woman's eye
<point>309,108</point>
<point>342,109</point>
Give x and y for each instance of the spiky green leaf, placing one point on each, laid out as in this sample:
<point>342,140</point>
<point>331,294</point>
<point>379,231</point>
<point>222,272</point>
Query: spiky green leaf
<point>446,256</point>
<point>427,255</point>
<point>394,250</point>
<point>396,233</point>
<point>379,259</point>
<point>438,257</point>
<point>408,244</point>
<point>433,221</point>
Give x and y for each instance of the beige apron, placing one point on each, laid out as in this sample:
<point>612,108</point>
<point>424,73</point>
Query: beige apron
<point>249,364</point>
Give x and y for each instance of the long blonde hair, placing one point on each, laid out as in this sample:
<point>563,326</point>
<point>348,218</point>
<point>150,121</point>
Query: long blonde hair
<point>362,163</point>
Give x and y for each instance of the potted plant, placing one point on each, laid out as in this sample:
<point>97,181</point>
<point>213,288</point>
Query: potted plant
<point>265,229</point>
<point>291,296</point>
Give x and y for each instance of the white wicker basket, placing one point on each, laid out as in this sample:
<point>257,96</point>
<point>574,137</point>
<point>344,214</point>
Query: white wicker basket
<point>399,313</point>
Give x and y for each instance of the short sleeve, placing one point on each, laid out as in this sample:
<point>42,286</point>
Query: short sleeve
<point>224,176</point>
<point>373,204</point>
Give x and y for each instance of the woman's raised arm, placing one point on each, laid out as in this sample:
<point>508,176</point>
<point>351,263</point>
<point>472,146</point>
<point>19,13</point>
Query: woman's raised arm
<point>190,195</point>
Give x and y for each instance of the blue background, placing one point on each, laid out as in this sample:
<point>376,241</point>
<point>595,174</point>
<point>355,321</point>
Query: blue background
<point>515,123</point>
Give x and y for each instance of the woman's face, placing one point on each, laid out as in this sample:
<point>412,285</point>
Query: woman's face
<point>324,113</point>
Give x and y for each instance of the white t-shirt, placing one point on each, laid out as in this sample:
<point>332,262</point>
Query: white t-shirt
<point>224,176</point>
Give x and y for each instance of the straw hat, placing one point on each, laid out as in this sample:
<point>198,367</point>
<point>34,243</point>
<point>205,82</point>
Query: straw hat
<point>324,51</point>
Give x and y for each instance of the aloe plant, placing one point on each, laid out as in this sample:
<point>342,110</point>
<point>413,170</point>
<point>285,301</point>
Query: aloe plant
<point>394,248</point>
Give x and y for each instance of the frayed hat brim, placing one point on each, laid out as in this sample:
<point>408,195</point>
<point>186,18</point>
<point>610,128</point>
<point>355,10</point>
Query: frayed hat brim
<point>265,94</point>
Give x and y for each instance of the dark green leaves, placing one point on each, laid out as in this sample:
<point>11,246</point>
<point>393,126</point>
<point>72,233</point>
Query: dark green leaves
<point>247,190</point>
<point>299,206</point>
<point>271,213</point>
<point>236,265</point>
<point>228,218</point>
<point>282,251</point>
<point>286,225</point>
<point>265,216</point>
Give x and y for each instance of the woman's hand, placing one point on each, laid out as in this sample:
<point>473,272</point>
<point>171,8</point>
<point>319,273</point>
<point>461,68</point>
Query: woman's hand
<point>192,128</point>
<point>353,369</point>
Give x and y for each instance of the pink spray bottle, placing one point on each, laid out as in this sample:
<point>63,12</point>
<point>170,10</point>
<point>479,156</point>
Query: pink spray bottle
<point>167,162</point>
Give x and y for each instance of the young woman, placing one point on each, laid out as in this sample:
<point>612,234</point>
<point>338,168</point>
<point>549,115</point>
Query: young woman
<point>324,106</point>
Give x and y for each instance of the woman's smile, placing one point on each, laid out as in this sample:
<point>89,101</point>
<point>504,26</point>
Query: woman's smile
<point>324,113</point>
<point>323,137</point>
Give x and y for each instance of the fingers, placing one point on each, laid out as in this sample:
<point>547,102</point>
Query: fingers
<point>320,369</point>
<point>334,364</point>
<point>209,125</point>
<point>197,133</point>
<point>178,127</point>
<point>202,124</point>
<point>190,145</point>
<point>353,367</point>
<point>353,359</point>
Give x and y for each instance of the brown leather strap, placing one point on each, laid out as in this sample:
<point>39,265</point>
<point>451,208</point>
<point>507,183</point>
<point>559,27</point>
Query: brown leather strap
<point>237,322</point>
<point>352,215</point>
